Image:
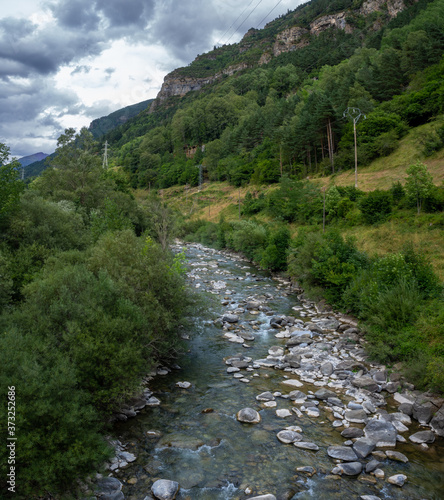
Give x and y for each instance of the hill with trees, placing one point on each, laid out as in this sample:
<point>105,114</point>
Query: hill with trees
<point>275,102</point>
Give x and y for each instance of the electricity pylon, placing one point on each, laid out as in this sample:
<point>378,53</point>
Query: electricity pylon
<point>105,156</point>
<point>355,114</point>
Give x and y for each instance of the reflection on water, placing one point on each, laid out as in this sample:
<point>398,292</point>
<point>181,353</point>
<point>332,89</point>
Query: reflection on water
<point>198,441</point>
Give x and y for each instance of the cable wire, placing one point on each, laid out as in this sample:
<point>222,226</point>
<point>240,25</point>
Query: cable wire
<point>234,22</point>
<point>280,1</point>
<point>257,5</point>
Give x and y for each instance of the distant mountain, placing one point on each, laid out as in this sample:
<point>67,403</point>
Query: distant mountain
<point>101,126</point>
<point>27,160</point>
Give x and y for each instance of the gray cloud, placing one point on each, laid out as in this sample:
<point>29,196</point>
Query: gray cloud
<point>32,108</point>
<point>76,14</point>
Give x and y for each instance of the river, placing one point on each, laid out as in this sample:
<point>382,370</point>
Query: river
<point>194,438</point>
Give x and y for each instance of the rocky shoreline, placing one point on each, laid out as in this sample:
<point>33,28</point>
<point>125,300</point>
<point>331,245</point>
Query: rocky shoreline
<point>326,376</point>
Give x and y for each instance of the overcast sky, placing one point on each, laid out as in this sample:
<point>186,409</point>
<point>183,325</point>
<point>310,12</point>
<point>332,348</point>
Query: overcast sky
<point>64,63</point>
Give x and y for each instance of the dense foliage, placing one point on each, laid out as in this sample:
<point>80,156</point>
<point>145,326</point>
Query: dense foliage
<point>286,116</point>
<point>90,299</point>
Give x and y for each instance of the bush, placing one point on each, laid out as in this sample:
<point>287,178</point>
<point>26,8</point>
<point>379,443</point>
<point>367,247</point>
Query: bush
<point>376,206</point>
<point>247,237</point>
<point>59,431</point>
<point>274,257</point>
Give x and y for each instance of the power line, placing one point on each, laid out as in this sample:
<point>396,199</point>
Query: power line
<point>280,1</point>
<point>257,5</point>
<point>234,22</point>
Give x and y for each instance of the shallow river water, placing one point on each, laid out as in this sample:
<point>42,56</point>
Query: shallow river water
<point>194,438</point>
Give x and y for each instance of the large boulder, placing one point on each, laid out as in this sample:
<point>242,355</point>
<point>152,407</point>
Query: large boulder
<point>249,416</point>
<point>422,437</point>
<point>230,318</point>
<point>380,432</point>
<point>324,394</point>
<point>342,453</point>
<point>163,489</point>
<point>365,383</point>
<point>437,422</point>
<point>109,488</point>
<point>363,447</point>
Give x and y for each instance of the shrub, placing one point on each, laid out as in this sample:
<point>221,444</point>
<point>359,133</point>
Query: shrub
<point>376,206</point>
<point>274,257</point>
<point>247,237</point>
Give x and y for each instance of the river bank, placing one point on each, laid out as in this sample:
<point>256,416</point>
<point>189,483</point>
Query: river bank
<point>329,421</point>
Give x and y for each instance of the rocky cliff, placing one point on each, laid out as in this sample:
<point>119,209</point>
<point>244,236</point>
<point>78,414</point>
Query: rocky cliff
<point>286,40</point>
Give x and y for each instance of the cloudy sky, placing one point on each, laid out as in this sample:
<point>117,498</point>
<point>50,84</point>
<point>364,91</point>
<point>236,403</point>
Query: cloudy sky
<point>65,62</point>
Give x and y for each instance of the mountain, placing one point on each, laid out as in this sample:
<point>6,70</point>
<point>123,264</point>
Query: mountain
<point>27,160</point>
<point>281,100</point>
<point>102,125</point>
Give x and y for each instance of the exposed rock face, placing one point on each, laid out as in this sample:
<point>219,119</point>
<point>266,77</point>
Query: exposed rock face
<point>331,21</point>
<point>290,39</point>
<point>174,84</point>
<point>394,7</point>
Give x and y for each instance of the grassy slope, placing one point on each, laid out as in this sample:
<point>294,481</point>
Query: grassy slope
<point>425,231</point>
<point>383,172</point>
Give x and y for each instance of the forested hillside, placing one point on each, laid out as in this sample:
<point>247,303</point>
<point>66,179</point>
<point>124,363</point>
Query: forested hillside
<point>275,102</point>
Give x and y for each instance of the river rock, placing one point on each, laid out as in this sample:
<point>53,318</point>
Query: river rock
<point>294,360</point>
<point>181,441</point>
<point>356,416</point>
<point>252,305</point>
<point>365,383</point>
<point>422,437</point>
<point>292,382</point>
<point>163,489</point>
<point>327,369</point>
<point>230,318</point>
<point>307,469</point>
<point>183,385</point>
<point>397,479</point>
<point>265,396</point>
<point>109,488</point>
<point>380,432</point>
<point>372,466</point>
<point>248,415</point>
<point>351,468</point>
<point>283,413</point>
<point>328,324</point>
<point>352,432</point>
<point>233,369</point>
<point>423,413</point>
<point>324,394</point>
<point>342,453</point>
<point>437,422</point>
<point>406,408</point>
<point>276,351</point>
<point>263,497</point>
<point>363,447</point>
<point>396,455</point>
<point>288,437</point>
<point>369,497</point>
<point>305,445</point>
<point>297,396</point>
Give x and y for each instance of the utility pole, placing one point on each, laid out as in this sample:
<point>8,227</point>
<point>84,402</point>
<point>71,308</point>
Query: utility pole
<point>355,114</point>
<point>105,156</point>
<point>323,211</point>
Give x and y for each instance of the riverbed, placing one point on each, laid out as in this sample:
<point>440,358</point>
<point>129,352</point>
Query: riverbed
<point>193,436</point>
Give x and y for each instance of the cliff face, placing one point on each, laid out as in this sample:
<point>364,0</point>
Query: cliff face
<point>175,85</point>
<point>287,40</point>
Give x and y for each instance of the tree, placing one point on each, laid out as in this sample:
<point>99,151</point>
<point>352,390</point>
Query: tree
<point>419,183</point>
<point>10,184</point>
